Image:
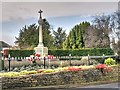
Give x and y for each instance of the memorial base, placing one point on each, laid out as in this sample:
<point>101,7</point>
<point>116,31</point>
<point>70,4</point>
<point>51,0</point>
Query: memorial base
<point>43,51</point>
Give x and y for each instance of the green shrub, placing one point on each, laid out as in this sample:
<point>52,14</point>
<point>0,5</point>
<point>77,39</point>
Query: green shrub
<point>20,53</point>
<point>109,61</point>
<point>82,52</point>
<point>78,52</point>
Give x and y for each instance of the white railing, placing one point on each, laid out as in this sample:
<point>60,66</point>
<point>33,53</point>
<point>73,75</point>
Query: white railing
<point>58,57</point>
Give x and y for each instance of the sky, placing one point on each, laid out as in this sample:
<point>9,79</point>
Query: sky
<point>16,14</point>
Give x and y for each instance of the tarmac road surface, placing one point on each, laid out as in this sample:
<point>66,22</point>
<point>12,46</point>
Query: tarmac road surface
<point>111,86</point>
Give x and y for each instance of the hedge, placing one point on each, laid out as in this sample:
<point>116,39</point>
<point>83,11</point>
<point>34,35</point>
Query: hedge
<point>80,52</point>
<point>20,53</point>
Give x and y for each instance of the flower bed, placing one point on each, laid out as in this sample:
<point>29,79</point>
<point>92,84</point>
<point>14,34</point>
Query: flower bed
<point>59,76</point>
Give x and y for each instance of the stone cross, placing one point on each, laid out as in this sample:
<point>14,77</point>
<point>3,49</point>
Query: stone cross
<point>40,13</point>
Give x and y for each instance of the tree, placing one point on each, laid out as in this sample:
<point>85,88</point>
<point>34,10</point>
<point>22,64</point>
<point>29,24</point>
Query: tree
<point>102,25</point>
<point>48,39</point>
<point>75,39</point>
<point>90,37</point>
<point>108,31</point>
<point>115,25</point>
<point>28,36</point>
<point>59,38</point>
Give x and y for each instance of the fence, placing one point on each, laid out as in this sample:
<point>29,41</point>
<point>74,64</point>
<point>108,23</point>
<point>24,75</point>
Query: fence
<point>58,61</point>
<point>79,57</point>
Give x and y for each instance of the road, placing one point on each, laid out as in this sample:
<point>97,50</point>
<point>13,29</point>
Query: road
<point>112,86</point>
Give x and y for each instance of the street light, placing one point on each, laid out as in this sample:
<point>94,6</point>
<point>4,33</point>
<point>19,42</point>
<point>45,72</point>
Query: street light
<point>44,61</point>
<point>34,58</point>
<point>70,58</point>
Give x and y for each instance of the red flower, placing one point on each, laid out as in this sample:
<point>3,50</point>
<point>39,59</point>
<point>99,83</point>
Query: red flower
<point>101,66</point>
<point>37,58</point>
<point>50,56</point>
<point>73,69</point>
<point>108,69</point>
<point>104,69</point>
<point>38,55</point>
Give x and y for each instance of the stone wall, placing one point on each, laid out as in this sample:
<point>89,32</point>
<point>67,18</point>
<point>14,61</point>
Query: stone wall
<point>59,78</point>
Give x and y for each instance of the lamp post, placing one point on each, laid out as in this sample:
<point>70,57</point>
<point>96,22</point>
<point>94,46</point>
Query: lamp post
<point>70,58</point>
<point>44,62</point>
<point>34,58</point>
<point>9,61</point>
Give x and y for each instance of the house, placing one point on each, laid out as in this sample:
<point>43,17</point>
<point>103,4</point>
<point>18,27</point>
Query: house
<point>4,45</point>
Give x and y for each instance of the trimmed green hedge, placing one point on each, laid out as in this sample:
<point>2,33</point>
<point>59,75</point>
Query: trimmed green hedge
<point>80,52</point>
<point>20,53</point>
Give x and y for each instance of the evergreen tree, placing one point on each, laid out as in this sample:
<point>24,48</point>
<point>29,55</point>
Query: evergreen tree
<point>59,38</point>
<point>75,39</point>
<point>28,36</point>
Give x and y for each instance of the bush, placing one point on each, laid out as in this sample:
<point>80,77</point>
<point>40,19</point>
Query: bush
<point>78,52</point>
<point>109,61</point>
<point>20,53</point>
<point>82,52</point>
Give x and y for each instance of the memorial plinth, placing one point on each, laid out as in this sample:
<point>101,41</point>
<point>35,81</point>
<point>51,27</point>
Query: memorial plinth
<point>43,51</point>
<point>40,49</point>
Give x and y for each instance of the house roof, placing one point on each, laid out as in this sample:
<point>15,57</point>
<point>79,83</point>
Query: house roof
<point>3,44</point>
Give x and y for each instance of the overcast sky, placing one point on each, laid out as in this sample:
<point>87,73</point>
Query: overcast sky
<point>15,15</point>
